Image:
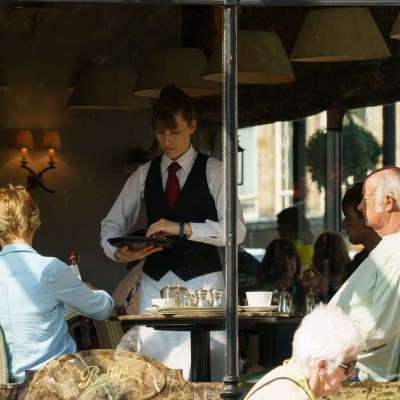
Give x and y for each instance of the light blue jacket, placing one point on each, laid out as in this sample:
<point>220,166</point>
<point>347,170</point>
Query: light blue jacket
<point>33,290</point>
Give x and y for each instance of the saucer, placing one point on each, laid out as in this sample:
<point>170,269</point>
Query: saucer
<point>259,309</point>
<point>152,310</point>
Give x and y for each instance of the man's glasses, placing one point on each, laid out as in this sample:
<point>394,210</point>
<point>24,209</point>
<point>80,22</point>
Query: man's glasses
<point>348,368</point>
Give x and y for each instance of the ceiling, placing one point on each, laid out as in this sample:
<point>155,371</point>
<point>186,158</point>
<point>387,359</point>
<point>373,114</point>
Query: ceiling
<point>318,86</point>
<point>80,34</point>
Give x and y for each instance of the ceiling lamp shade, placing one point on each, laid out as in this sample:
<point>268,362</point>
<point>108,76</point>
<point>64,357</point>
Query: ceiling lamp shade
<point>261,60</point>
<point>339,34</point>
<point>107,88</point>
<point>180,66</point>
<point>395,31</point>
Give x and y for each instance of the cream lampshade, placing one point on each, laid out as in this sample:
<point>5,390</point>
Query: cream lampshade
<point>395,31</point>
<point>261,60</point>
<point>180,66</point>
<point>339,34</point>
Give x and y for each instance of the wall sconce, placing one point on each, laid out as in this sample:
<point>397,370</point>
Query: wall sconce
<point>51,142</point>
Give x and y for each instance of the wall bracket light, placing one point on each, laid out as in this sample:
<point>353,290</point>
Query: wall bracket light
<point>51,141</point>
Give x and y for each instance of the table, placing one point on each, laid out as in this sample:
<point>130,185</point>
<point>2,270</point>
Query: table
<point>200,324</point>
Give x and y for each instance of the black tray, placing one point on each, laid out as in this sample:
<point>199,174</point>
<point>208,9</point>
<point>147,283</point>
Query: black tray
<point>137,242</point>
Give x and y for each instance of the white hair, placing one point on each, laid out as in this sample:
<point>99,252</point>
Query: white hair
<point>386,181</point>
<point>129,341</point>
<point>325,334</point>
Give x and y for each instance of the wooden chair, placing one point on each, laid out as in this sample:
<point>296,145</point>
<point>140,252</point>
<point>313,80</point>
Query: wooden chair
<point>109,333</point>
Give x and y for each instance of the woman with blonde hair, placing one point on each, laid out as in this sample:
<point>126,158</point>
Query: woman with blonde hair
<point>34,289</point>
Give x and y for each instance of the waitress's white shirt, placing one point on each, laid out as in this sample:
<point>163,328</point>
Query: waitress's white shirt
<point>130,203</point>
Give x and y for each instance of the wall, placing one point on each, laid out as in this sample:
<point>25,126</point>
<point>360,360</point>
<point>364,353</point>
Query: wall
<point>89,173</point>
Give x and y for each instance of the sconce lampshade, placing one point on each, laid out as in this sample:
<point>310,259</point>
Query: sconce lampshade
<point>261,60</point>
<point>51,140</point>
<point>107,88</point>
<point>395,31</point>
<point>24,140</point>
<point>180,66</point>
<point>339,34</point>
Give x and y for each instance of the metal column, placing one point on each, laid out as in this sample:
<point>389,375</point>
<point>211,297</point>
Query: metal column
<point>230,389</point>
<point>389,135</point>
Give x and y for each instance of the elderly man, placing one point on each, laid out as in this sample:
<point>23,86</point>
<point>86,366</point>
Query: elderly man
<point>371,296</point>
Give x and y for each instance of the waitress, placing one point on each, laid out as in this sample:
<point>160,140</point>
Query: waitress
<point>183,196</point>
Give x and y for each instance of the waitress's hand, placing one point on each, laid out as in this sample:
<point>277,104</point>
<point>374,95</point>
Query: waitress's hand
<point>163,228</point>
<point>126,254</point>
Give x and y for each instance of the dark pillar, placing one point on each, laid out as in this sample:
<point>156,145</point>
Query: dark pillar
<point>333,193</point>
<point>389,135</point>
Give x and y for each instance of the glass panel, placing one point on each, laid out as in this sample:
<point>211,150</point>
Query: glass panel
<point>269,168</point>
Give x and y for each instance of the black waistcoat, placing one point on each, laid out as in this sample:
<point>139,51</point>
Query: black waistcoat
<point>187,259</point>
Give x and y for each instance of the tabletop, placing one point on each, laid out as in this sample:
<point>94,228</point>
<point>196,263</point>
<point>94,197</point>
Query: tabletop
<point>244,318</point>
<point>199,324</point>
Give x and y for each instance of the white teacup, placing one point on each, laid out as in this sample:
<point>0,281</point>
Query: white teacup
<point>163,303</point>
<point>259,299</point>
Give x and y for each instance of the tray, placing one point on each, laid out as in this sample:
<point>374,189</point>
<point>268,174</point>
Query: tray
<point>190,310</point>
<point>137,242</point>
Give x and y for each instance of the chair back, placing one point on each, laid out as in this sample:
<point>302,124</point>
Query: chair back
<point>114,374</point>
<point>102,374</point>
<point>3,360</point>
<point>109,333</point>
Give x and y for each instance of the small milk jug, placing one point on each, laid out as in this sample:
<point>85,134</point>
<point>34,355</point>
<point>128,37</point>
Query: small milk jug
<point>216,296</point>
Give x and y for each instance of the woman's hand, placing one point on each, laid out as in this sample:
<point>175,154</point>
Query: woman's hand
<point>126,254</point>
<point>163,228</point>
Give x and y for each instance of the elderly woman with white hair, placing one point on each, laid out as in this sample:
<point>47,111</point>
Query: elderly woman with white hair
<point>325,348</point>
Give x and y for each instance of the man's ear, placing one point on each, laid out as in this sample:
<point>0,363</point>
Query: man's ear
<point>390,203</point>
<point>322,367</point>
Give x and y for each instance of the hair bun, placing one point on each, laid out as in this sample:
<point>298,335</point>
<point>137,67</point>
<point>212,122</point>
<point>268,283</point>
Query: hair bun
<point>170,90</point>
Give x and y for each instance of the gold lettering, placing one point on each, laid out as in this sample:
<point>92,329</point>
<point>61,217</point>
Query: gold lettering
<point>92,376</point>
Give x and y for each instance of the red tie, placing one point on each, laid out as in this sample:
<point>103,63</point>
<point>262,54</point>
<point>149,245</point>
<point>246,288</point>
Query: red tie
<point>172,188</point>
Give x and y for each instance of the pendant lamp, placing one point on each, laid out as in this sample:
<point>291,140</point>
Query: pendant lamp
<point>107,88</point>
<point>339,34</point>
<point>395,31</point>
<point>261,60</point>
<point>180,66</point>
